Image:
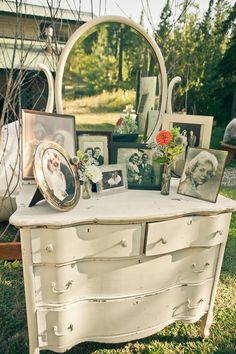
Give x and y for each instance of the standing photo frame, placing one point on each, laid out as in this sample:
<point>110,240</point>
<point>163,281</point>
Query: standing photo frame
<point>142,171</point>
<point>55,176</point>
<point>202,174</point>
<point>197,130</point>
<point>114,179</point>
<point>95,143</point>
<point>40,126</point>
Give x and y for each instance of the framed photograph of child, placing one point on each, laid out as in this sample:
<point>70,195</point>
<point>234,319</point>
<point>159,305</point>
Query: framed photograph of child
<point>114,179</point>
<point>40,126</point>
<point>202,174</point>
<point>96,144</point>
<point>143,172</point>
<point>55,176</point>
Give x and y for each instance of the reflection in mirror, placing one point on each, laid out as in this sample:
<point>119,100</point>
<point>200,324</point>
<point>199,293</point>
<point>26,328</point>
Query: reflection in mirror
<point>110,66</point>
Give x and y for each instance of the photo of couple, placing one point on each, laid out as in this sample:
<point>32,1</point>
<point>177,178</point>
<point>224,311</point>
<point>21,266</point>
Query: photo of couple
<point>142,171</point>
<point>58,175</point>
<point>139,169</point>
<point>95,155</point>
<point>38,127</point>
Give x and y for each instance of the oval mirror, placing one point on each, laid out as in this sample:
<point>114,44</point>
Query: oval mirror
<point>107,63</point>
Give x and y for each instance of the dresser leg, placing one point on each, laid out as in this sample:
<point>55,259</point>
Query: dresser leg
<point>206,323</point>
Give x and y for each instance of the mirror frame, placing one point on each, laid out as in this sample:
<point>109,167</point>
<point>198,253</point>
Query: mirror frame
<point>116,19</point>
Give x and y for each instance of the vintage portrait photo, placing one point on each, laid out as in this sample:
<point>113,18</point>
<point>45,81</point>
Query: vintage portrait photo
<point>55,176</point>
<point>38,127</point>
<point>113,179</point>
<point>202,174</point>
<point>142,171</point>
<point>96,144</point>
<point>197,130</point>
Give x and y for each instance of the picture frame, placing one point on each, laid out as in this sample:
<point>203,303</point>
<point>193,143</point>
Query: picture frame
<point>142,171</point>
<point>41,126</point>
<point>202,173</point>
<point>114,179</point>
<point>201,128</point>
<point>55,176</point>
<point>92,141</point>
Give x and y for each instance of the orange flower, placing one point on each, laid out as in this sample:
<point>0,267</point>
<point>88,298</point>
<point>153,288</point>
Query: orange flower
<point>119,122</point>
<point>163,137</point>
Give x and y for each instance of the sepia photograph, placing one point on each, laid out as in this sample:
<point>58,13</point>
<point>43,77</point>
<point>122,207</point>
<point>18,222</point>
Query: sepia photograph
<point>38,127</point>
<point>55,176</point>
<point>142,171</point>
<point>96,144</point>
<point>197,130</point>
<point>113,179</point>
<point>202,174</point>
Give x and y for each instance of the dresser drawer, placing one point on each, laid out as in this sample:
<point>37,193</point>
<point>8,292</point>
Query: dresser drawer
<point>62,245</point>
<point>194,231</point>
<point>61,327</point>
<point>89,279</point>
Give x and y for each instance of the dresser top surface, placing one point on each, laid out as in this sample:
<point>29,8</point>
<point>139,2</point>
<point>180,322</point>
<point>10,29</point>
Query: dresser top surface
<point>122,207</point>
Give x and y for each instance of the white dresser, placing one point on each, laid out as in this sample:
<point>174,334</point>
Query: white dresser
<point>120,267</point>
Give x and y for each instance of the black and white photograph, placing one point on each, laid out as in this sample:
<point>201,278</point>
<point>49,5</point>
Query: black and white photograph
<point>38,127</point>
<point>142,171</point>
<point>202,174</point>
<point>191,131</point>
<point>113,179</point>
<point>96,144</point>
<point>55,176</point>
<point>197,130</point>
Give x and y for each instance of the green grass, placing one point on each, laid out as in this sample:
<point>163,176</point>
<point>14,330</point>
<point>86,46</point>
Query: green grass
<point>178,338</point>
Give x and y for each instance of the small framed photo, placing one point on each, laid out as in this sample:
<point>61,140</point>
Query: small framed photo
<point>142,171</point>
<point>40,126</point>
<point>55,176</point>
<point>202,174</point>
<point>197,130</point>
<point>96,144</point>
<point>114,179</point>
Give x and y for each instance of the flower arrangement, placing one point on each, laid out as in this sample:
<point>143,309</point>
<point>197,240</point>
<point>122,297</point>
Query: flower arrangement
<point>127,124</point>
<point>88,172</point>
<point>168,146</point>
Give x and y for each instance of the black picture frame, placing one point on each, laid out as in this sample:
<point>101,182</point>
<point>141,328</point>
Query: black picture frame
<point>140,177</point>
<point>86,139</point>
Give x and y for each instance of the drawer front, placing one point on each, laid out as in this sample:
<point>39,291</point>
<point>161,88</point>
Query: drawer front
<point>116,278</point>
<point>66,244</point>
<point>60,328</point>
<point>193,231</point>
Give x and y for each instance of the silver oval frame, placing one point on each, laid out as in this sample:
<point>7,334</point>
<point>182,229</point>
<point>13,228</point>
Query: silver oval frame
<point>42,178</point>
<point>122,20</point>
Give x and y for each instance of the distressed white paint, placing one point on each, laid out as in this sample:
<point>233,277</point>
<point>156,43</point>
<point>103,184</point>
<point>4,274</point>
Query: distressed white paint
<point>120,267</point>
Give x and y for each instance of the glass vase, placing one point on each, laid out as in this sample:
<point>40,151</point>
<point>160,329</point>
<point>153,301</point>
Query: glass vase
<point>165,182</point>
<point>87,190</point>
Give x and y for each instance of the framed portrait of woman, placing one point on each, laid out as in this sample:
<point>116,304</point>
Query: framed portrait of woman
<point>55,176</point>
<point>202,174</point>
<point>143,172</point>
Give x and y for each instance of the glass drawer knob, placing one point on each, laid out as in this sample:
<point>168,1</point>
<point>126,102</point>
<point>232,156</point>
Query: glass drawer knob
<point>124,243</point>
<point>49,248</point>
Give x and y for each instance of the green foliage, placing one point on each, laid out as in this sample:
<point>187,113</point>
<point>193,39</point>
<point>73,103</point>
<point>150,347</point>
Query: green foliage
<point>196,49</point>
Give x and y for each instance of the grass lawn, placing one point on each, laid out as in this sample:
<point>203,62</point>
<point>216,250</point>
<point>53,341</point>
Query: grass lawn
<point>176,338</point>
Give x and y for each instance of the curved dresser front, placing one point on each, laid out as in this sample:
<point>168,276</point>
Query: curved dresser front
<point>120,267</point>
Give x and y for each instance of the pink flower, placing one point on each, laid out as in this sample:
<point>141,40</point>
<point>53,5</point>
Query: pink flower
<point>164,137</point>
<point>119,122</point>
